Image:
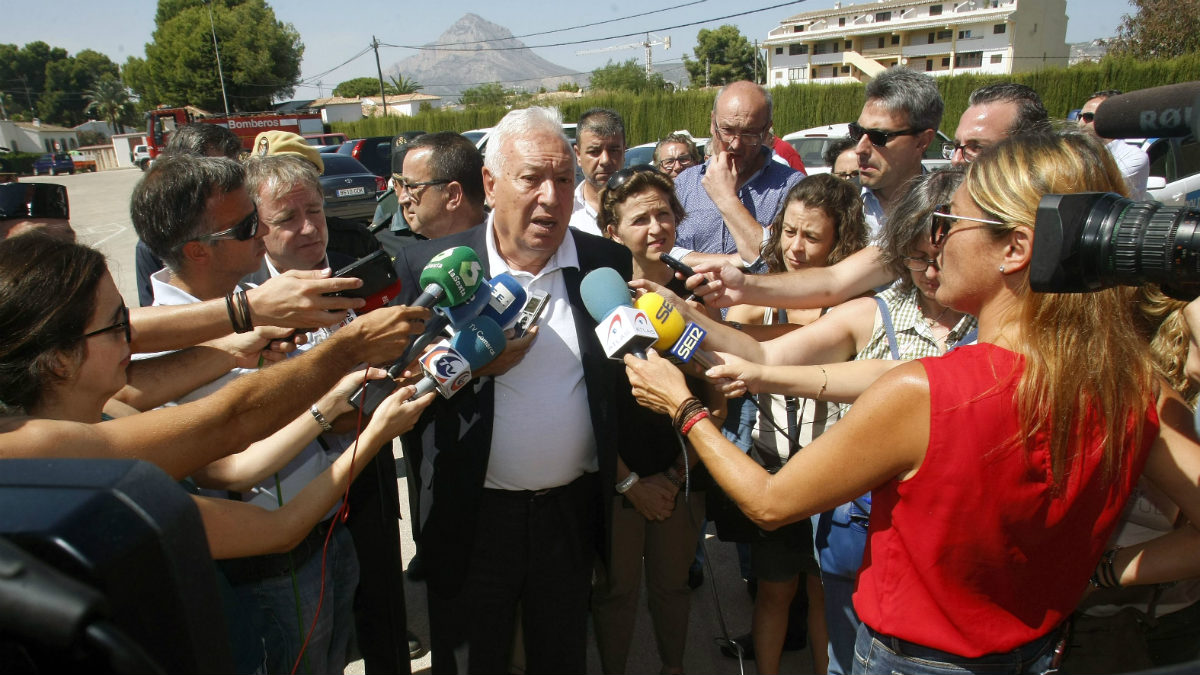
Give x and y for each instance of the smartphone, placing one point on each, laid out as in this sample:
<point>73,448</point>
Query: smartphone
<point>380,283</point>
<point>676,265</point>
<point>531,312</point>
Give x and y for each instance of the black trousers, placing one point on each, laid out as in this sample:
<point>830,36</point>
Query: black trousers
<point>532,551</point>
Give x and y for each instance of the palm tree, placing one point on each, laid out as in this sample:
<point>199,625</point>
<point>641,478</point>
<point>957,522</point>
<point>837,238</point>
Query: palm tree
<point>405,86</point>
<point>109,98</point>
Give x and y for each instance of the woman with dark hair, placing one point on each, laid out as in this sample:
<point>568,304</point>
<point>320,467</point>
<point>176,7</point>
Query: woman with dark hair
<point>1006,464</point>
<point>652,521</point>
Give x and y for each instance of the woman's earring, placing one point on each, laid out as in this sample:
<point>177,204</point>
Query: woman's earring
<point>1002,269</point>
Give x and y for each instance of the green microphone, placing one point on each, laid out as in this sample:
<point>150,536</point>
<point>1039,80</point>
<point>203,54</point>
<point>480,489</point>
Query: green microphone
<point>450,278</point>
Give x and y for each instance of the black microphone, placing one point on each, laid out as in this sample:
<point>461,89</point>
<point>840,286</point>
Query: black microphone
<point>1150,113</point>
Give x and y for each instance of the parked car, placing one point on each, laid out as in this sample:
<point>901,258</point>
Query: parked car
<point>1174,170</point>
<point>53,164</point>
<point>349,188</point>
<point>375,152</point>
<point>644,153</point>
<point>326,142</point>
<point>140,156</point>
<point>82,162</point>
<point>810,144</point>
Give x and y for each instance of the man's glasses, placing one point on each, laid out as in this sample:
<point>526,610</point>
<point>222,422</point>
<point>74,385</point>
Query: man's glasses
<point>1088,117</point>
<point>243,231</point>
<point>403,184</point>
<point>943,220</point>
<point>728,136</point>
<point>682,161</point>
<point>846,175</point>
<point>622,177</point>
<point>920,264</point>
<point>123,325</point>
<point>878,137</point>
<point>970,150</point>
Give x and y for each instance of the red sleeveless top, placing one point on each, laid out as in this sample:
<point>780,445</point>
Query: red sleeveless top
<point>975,554</point>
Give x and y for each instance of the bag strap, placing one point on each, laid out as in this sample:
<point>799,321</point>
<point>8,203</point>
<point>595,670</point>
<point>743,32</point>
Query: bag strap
<point>888,328</point>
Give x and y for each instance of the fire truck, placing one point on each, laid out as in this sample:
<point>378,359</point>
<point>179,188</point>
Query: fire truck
<point>162,122</point>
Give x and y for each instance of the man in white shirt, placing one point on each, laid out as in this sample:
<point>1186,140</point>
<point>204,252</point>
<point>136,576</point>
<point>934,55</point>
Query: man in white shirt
<point>1134,164</point>
<point>600,146</point>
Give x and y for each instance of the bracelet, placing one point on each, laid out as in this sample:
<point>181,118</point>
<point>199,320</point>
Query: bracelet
<point>243,304</point>
<point>735,325</point>
<point>687,426</point>
<point>673,476</point>
<point>823,384</point>
<point>320,418</point>
<point>624,485</point>
<point>233,320</point>
<point>1104,576</point>
<point>686,410</point>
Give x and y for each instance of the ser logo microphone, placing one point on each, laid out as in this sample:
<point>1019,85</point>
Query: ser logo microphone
<point>692,336</point>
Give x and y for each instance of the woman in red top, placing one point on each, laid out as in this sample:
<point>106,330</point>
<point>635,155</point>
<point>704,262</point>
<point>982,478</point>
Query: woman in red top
<point>1004,466</point>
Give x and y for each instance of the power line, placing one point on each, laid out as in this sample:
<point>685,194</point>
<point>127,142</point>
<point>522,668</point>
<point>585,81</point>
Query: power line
<point>589,40</point>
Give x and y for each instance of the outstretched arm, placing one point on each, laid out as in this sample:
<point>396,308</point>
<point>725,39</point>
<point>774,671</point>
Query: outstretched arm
<point>726,285</point>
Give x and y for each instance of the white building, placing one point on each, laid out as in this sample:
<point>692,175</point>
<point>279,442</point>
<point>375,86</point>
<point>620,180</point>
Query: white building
<point>341,109</point>
<point>855,42</point>
<point>37,136</point>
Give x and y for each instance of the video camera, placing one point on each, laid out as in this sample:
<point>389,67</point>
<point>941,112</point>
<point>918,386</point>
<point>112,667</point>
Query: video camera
<point>1090,241</point>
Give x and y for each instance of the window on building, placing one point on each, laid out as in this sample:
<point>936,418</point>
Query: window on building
<point>944,35</point>
<point>849,45</point>
<point>935,10</point>
<point>842,21</point>
<point>999,29</point>
<point>795,74</point>
<point>846,70</point>
<point>967,34</point>
<point>945,61</point>
<point>795,50</point>
<point>928,64</point>
<point>778,51</point>
<point>997,58</point>
<point>968,60</point>
<point>778,74</point>
<point>930,38</point>
<point>820,48</point>
<point>835,46</point>
<point>797,29</point>
<point>895,39</point>
<point>883,16</point>
<point>879,45</point>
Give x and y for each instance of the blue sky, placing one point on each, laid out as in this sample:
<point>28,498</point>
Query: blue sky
<point>334,32</point>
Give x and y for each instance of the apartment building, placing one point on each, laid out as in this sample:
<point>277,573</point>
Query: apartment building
<point>854,42</point>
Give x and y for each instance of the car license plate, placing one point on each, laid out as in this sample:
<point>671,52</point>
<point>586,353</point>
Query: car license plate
<point>350,192</point>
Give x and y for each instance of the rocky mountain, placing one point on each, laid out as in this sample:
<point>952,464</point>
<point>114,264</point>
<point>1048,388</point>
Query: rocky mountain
<point>447,73</point>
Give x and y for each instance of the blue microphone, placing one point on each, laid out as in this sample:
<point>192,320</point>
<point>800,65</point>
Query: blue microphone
<point>622,328</point>
<point>450,364</point>
<point>508,298</point>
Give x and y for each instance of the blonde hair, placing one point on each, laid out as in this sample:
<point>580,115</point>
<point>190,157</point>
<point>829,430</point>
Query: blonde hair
<point>1160,319</point>
<point>1065,335</point>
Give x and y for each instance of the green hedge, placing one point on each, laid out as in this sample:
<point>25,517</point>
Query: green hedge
<point>800,106</point>
<point>19,162</point>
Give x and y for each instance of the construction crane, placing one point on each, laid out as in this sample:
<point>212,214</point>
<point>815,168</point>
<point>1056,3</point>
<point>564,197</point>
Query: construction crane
<point>650,41</point>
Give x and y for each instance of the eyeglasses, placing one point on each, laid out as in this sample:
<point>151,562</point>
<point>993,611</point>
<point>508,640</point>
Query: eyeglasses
<point>622,177</point>
<point>123,324</point>
<point>243,231</point>
<point>728,136</point>
<point>920,264</point>
<point>940,229</point>
<point>403,184</point>
<point>846,175</point>
<point>1088,117</point>
<point>682,160</point>
<point>878,137</point>
<point>970,150</point>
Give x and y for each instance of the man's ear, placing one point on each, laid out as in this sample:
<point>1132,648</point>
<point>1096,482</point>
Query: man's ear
<point>195,252</point>
<point>925,138</point>
<point>489,186</point>
<point>454,195</point>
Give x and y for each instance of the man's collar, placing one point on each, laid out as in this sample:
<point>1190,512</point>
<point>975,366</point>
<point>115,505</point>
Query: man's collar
<point>581,201</point>
<point>566,255</point>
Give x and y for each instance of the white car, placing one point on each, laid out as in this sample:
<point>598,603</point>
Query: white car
<point>1174,170</point>
<point>811,144</point>
<point>644,153</point>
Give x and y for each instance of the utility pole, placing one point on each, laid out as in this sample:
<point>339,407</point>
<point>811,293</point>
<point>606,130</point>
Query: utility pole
<point>378,69</point>
<point>220,72</point>
<point>706,71</point>
<point>756,62</point>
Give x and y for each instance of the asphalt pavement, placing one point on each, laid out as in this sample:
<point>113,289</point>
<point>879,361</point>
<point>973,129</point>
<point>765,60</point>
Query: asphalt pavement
<point>100,217</point>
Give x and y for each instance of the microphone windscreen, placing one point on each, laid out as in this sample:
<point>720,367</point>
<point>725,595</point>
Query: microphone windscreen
<point>459,315</point>
<point>1149,113</point>
<point>666,320</point>
<point>457,271</point>
<point>507,300</point>
<point>603,290</point>
<point>479,342</point>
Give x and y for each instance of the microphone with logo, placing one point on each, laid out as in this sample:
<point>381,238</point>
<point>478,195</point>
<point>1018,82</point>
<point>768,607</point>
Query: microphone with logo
<point>622,328</point>
<point>664,318</point>
<point>500,299</point>
<point>449,278</point>
<point>449,365</point>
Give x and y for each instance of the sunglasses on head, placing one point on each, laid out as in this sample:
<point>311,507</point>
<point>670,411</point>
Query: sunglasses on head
<point>943,220</point>
<point>878,137</point>
<point>243,231</point>
<point>123,324</point>
<point>622,177</point>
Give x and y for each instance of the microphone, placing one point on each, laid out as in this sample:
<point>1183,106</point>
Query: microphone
<point>622,329</point>
<point>449,278</point>
<point>664,318</point>
<point>507,299</point>
<point>1154,112</point>
<point>457,316</point>
<point>688,347</point>
<point>449,365</point>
